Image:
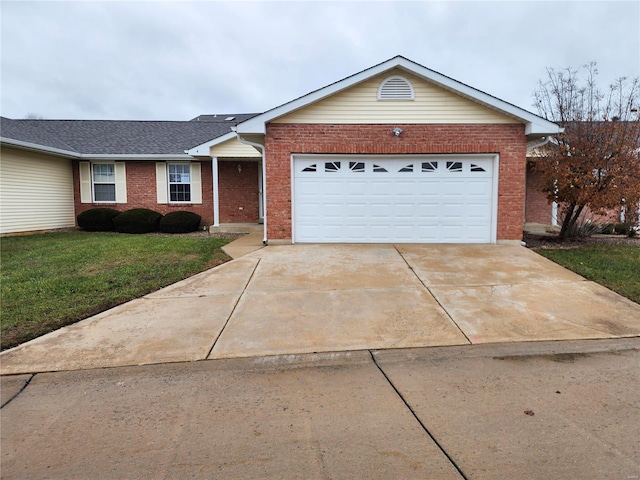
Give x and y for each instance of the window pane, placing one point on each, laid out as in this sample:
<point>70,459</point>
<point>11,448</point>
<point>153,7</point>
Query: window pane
<point>103,173</point>
<point>179,173</point>
<point>105,192</point>
<point>180,192</point>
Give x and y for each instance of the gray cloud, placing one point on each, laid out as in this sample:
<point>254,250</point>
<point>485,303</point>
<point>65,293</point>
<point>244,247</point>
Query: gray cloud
<point>175,60</point>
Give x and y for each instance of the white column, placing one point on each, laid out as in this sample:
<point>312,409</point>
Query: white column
<point>216,207</point>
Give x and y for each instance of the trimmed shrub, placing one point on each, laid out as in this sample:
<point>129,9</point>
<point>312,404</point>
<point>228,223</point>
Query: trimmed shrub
<point>97,219</point>
<point>137,220</point>
<point>179,222</point>
<point>622,228</point>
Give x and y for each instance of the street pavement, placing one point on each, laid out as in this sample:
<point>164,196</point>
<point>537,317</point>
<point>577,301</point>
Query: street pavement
<point>533,410</point>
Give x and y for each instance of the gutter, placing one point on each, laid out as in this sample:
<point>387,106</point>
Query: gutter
<point>34,147</point>
<point>10,142</point>
<point>137,156</point>
<point>260,147</point>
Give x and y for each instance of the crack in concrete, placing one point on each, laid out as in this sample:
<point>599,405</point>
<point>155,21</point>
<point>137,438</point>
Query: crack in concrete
<point>233,310</point>
<point>433,296</point>
<point>415,415</point>
<point>26,384</point>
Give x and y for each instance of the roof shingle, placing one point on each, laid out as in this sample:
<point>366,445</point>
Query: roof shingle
<point>126,137</point>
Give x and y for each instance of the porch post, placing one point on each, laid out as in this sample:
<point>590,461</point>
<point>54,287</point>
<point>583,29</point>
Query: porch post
<point>216,207</point>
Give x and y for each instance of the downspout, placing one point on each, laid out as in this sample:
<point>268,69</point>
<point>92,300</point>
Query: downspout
<point>545,140</point>
<point>264,180</point>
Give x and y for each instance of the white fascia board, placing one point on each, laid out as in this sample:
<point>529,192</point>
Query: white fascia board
<point>202,150</point>
<point>535,125</point>
<point>38,148</point>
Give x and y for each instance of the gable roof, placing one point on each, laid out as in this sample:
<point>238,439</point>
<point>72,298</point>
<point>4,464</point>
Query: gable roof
<point>536,126</point>
<point>95,138</point>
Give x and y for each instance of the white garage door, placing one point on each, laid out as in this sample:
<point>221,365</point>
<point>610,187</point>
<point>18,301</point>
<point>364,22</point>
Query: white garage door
<point>444,199</point>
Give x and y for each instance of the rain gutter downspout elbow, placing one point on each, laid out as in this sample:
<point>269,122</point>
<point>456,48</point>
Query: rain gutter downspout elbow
<point>260,147</point>
<point>545,140</point>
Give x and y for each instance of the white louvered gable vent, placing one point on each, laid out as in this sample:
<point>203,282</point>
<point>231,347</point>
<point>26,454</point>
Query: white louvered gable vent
<point>395,88</point>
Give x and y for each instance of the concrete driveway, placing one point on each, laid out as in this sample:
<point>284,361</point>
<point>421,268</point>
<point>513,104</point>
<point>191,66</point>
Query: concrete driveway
<point>326,298</point>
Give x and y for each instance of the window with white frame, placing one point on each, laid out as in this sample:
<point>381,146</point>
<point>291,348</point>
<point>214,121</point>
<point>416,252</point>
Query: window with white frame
<point>179,182</point>
<point>103,178</point>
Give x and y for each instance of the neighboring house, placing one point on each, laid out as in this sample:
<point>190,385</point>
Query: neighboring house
<point>395,153</point>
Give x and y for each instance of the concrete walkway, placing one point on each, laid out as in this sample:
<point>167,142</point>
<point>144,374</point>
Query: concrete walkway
<point>325,298</point>
<point>244,245</point>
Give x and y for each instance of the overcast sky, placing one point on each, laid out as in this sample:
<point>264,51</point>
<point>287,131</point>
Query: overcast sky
<point>154,60</point>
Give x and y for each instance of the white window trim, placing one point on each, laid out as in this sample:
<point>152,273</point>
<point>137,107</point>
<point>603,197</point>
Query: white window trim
<point>169,183</point>
<point>93,183</point>
<point>163,185</point>
<point>87,190</point>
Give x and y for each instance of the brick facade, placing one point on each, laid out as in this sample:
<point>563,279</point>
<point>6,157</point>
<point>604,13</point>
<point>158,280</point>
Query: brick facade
<point>538,208</point>
<point>141,192</point>
<point>238,191</point>
<point>507,140</point>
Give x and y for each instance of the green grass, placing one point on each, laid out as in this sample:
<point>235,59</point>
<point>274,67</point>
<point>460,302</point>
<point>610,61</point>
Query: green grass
<point>52,280</point>
<point>615,266</point>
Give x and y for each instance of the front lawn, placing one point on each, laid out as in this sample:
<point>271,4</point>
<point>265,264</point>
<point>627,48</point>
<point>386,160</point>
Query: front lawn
<point>52,280</point>
<point>615,266</point>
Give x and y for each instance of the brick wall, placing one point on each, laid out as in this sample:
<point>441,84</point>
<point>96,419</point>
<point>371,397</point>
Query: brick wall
<point>538,208</point>
<point>238,191</point>
<point>508,141</point>
<point>141,192</point>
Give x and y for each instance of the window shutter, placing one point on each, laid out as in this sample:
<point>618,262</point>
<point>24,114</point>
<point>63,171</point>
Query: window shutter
<point>161,182</point>
<point>121,182</point>
<point>85,183</point>
<point>196,183</point>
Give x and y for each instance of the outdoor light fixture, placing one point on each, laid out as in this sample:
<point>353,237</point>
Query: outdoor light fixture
<point>397,131</point>
<point>239,168</point>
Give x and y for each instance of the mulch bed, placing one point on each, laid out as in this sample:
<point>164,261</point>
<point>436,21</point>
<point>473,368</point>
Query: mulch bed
<point>545,241</point>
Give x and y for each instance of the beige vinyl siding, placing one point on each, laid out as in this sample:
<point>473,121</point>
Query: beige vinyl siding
<point>36,192</point>
<point>233,148</point>
<point>359,104</point>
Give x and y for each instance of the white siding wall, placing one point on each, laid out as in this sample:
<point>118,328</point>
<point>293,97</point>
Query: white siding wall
<point>36,192</point>
<point>360,104</point>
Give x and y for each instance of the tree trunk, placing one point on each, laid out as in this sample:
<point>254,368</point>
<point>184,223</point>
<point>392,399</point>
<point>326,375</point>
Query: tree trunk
<point>570,219</point>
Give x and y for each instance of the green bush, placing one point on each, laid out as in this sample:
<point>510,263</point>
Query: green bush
<point>622,228</point>
<point>137,220</point>
<point>97,219</point>
<point>179,222</point>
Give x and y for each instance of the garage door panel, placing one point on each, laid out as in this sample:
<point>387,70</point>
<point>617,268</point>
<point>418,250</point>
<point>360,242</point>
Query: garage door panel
<point>448,200</point>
